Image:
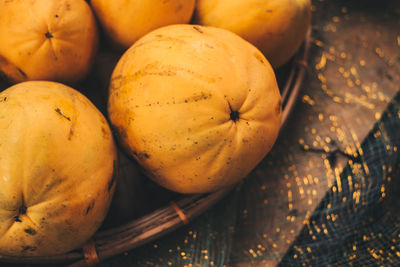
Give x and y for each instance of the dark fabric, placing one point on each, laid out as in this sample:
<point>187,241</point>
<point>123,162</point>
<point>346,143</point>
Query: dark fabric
<point>359,224</point>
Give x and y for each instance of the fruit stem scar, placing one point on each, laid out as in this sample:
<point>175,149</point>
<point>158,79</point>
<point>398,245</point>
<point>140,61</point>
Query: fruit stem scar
<point>21,211</point>
<point>234,115</point>
<point>48,35</point>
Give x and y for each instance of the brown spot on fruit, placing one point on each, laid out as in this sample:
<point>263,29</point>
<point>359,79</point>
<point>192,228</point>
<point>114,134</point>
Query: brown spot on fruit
<point>179,8</point>
<point>90,207</point>
<point>59,112</point>
<point>71,133</point>
<point>30,231</point>
<point>278,108</point>
<point>141,155</point>
<point>10,70</point>
<point>259,57</point>
<point>104,132</point>
<point>198,29</point>
<point>22,73</point>
<point>26,248</point>
<point>201,96</point>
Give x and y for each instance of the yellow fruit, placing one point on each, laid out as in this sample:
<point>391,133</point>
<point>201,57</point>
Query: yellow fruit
<point>197,107</point>
<point>46,40</point>
<point>57,169</point>
<point>276,27</point>
<point>126,21</point>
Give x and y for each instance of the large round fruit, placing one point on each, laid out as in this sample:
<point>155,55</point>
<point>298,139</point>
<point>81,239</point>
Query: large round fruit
<point>276,27</point>
<point>126,21</point>
<point>46,40</point>
<point>197,107</point>
<point>57,169</point>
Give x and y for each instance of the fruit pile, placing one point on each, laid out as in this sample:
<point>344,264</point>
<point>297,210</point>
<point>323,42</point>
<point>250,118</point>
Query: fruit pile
<point>193,99</point>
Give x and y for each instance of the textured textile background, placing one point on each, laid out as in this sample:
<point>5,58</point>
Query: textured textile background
<point>358,220</point>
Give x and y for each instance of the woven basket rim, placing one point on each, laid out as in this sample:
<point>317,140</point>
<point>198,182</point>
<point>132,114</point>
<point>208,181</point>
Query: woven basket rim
<point>114,241</point>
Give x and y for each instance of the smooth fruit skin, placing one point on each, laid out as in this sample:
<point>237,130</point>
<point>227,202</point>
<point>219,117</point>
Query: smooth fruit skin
<point>276,27</point>
<point>57,169</point>
<point>197,107</point>
<point>125,21</point>
<point>46,40</point>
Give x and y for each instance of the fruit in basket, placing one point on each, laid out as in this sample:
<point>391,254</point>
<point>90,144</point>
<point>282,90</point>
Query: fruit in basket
<point>198,107</point>
<point>57,169</point>
<point>276,27</point>
<point>126,21</point>
<point>46,40</point>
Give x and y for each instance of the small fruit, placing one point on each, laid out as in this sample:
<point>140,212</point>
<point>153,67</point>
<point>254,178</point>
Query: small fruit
<point>276,27</point>
<point>57,169</point>
<point>46,40</point>
<point>197,107</point>
<point>126,21</point>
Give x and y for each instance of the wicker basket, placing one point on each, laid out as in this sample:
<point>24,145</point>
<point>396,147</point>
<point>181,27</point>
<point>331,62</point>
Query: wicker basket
<point>173,214</point>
